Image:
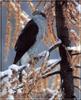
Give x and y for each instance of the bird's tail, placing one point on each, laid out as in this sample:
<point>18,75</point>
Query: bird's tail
<point>17,57</point>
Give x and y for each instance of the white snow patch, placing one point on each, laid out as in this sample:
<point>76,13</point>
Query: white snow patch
<point>3,92</point>
<point>10,91</point>
<point>14,67</point>
<point>75,48</point>
<point>20,85</point>
<point>27,65</point>
<point>19,91</point>
<point>78,7</point>
<point>73,31</point>
<point>10,97</point>
<point>43,53</point>
<point>78,64</point>
<point>6,72</point>
<point>24,72</point>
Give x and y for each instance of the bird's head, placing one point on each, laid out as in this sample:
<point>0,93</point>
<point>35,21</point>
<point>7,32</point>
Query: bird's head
<point>39,14</point>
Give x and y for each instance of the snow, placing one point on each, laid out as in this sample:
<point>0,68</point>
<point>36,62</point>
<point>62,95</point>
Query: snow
<point>78,64</point>
<point>7,72</point>
<point>14,67</point>
<point>42,54</point>
<point>10,97</point>
<point>24,66</point>
<point>10,91</point>
<point>17,88</point>
<point>19,91</point>
<point>24,72</point>
<point>53,61</point>
<point>75,48</point>
<point>51,64</point>
<point>3,92</point>
<point>78,7</point>
<point>72,31</point>
<point>20,85</point>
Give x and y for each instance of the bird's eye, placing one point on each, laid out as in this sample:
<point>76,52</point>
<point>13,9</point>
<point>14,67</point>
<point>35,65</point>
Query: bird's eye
<point>43,15</point>
<point>39,13</point>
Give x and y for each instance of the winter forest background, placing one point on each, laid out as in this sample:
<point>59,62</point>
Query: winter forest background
<point>18,12</point>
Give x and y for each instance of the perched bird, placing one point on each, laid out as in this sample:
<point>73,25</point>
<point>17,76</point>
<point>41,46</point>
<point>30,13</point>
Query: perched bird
<point>32,33</point>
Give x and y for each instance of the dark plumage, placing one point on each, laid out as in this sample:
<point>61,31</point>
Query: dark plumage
<point>26,40</point>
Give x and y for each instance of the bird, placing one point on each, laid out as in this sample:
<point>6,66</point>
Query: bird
<point>32,33</point>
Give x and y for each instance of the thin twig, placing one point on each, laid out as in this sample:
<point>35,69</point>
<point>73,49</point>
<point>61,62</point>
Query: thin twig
<point>50,74</point>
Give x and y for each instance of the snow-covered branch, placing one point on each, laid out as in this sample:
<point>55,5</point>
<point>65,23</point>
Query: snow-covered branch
<point>75,48</point>
<point>12,75</point>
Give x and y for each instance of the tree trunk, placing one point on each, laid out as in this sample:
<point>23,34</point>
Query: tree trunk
<point>62,32</point>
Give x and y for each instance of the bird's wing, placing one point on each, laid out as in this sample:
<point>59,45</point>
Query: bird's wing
<point>27,37</point>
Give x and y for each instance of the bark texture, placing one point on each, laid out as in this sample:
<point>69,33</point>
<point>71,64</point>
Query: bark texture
<point>62,32</point>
